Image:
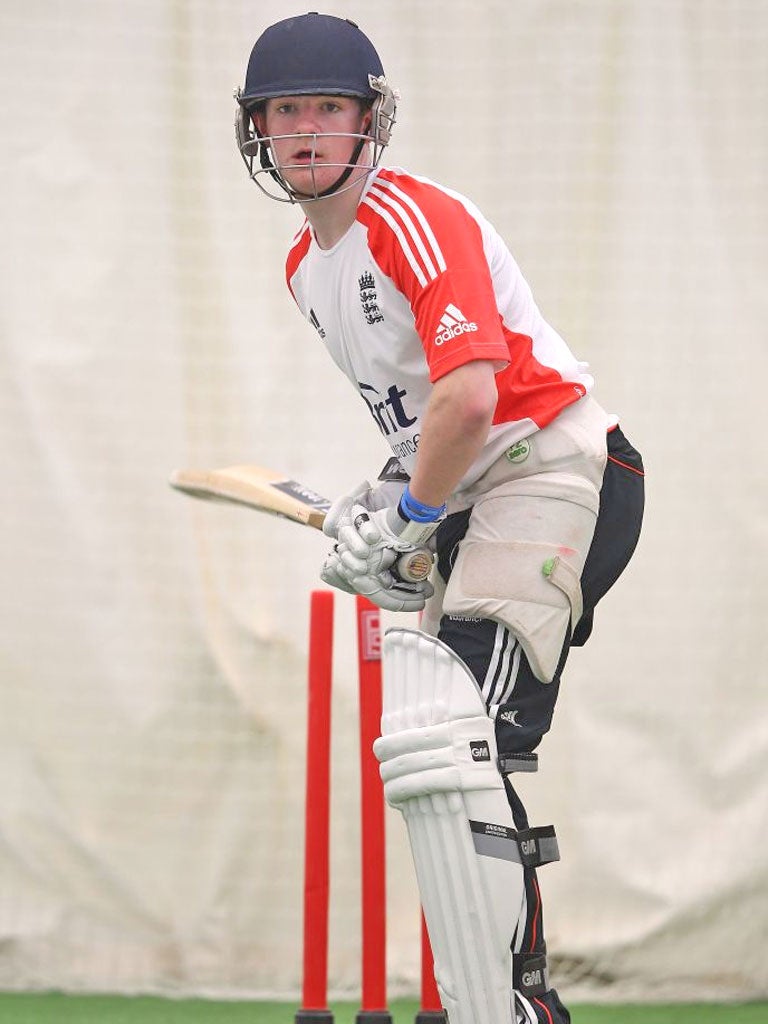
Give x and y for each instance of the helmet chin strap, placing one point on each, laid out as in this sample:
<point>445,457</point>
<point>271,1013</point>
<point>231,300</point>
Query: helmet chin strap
<point>342,178</point>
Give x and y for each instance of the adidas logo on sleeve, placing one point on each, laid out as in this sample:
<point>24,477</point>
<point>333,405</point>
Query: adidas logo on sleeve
<point>452,324</point>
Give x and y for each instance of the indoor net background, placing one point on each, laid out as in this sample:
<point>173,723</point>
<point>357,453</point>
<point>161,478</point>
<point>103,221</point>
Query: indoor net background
<point>153,649</point>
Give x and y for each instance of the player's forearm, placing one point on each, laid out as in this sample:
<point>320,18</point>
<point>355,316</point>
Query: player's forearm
<point>455,428</point>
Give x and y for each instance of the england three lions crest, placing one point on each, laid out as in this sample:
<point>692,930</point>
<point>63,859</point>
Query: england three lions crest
<point>368,299</point>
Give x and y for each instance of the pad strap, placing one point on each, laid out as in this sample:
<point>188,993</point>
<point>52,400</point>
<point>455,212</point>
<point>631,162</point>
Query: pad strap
<point>531,847</point>
<point>519,762</point>
<point>566,579</point>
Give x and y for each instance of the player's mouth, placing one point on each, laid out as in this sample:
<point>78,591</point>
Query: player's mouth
<point>304,156</point>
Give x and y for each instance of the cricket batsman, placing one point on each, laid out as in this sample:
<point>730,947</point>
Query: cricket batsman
<point>503,462</point>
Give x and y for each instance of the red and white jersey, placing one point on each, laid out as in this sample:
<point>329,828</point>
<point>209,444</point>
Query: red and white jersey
<point>419,285</point>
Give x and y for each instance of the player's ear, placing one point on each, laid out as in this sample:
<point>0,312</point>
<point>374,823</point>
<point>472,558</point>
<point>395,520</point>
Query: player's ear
<point>365,127</point>
<point>259,118</point>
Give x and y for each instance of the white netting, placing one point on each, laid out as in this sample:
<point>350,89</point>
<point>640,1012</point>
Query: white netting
<point>152,687</point>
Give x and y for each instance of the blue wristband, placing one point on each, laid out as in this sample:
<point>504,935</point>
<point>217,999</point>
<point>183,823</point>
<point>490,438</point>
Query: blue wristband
<point>411,508</point>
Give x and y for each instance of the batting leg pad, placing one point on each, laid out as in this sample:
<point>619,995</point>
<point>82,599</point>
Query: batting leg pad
<point>439,766</point>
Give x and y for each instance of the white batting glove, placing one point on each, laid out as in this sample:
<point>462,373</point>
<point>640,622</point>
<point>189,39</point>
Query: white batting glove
<point>392,594</point>
<point>334,574</point>
<point>367,539</point>
<point>340,509</point>
<point>384,590</point>
<point>371,497</point>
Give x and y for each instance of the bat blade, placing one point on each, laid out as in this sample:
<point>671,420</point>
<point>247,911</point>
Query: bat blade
<point>255,487</point>
<point>267,491</point>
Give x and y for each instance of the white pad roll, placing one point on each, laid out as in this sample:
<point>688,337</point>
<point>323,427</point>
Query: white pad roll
<point>439,765</point>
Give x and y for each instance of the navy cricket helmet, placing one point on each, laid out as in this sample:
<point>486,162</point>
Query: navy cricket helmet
<point>313,55</point>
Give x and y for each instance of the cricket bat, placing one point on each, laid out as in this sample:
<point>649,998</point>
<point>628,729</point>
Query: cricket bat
<point>267,491</point>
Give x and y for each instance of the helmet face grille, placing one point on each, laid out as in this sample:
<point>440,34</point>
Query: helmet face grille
<point>256,151</point>
<point>314,54</point>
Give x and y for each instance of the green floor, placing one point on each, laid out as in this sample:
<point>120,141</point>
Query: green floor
<point>61,1009</point>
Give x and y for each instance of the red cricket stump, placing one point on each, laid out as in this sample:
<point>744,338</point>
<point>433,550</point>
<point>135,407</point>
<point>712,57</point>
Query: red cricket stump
<point>314,999</point>
<point>373,867</point>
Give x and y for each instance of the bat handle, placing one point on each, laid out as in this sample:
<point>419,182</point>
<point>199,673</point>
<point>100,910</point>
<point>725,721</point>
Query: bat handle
<point>414,566</point>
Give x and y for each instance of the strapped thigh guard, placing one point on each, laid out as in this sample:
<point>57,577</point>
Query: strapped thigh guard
<point>439,766</point>
<point>521,559</point>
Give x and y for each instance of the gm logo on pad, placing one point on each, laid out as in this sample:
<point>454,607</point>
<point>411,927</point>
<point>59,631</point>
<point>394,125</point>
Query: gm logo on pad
<point>479,750</point>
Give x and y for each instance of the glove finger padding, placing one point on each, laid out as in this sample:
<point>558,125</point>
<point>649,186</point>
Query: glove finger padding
<point>368,528</point>
<point>371,498</point>
<point>376,562</point>
<point>393,595</point>
<point>359,533</point>
<point>339,511</point>
<point>334,575</point>
<point>382,589</point>
<point>365,535</point>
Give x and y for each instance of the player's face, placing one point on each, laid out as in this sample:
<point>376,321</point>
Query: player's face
<point>318,146</point>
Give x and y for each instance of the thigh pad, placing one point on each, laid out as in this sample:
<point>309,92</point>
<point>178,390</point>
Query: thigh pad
<point>521,560</point>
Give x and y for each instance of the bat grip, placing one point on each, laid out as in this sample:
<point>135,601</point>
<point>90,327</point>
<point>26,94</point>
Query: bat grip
<point>414,566</point>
